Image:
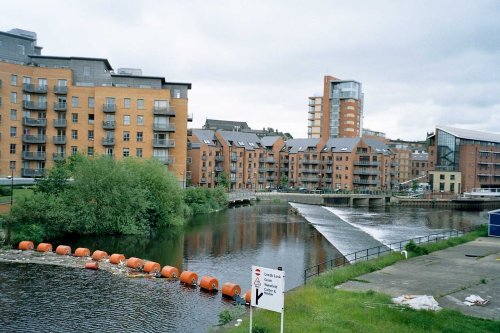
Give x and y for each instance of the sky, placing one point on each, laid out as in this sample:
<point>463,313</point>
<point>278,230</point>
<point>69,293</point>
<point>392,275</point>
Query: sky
<point>421,63</point>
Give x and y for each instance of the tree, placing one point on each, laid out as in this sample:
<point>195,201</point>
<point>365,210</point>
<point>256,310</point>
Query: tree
<point>284,181</point>
<point>223,180</point>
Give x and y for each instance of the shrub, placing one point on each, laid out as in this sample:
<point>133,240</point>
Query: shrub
<point>415,249</point>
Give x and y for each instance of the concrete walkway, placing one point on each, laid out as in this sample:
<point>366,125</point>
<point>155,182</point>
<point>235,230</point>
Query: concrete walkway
<point>449,275</point>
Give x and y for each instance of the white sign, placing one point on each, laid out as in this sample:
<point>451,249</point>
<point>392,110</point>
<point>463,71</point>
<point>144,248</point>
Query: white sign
<point>267,288</point>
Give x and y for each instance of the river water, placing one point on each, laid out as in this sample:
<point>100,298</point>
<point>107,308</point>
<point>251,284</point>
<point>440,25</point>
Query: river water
<point>224,245</point>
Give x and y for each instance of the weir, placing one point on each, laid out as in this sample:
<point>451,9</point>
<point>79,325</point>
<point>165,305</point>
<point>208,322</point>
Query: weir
<point>346,237</point>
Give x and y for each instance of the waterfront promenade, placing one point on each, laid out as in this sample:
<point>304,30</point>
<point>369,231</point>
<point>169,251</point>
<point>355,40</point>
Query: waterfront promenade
<point>449,275</point>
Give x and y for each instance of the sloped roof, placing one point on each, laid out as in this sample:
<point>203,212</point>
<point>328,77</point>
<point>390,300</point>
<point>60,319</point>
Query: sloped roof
<point>241,139</point>
<point>226,125</point>
<point>269,141</point>
<point>295,145</point>
<point>379,146</point>
<point>471,134</point>
<point>341,145</point>
<point>204,136</point>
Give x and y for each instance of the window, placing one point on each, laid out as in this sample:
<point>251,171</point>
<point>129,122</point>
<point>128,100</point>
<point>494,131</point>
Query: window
<point>140,120</point>
<point>62,83</point>
<point>91,102</point>
<point>452,187</point>
<point>177,93</point>
<point>13,97</point>
<point>13,131</point>
<point>13,114</point>
<point>126,136</point>
<point>109,152</point>
<point>86,71</point>
<point>91,119</point>
<point>90,151</point>
<point>441,177</point>
<point>74,134</point>
<point>139,137</point>
<point>452,177</point>
<point>74,101</point>
<point>138,152</point>
<point>42,83</point>
<point>74,150</point>
<point>140,104</point>
<point>13,80</point>
<point>12,148</point>
<point>126,103</point>
<point>126,152</point>
<point>126,120</point>
<point>90,135</point>
<point>110,101</point>
<point>20,49</point>
<point>74,118</point>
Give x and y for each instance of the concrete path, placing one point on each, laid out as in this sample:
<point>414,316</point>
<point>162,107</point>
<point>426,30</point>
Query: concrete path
<point>449,275</point>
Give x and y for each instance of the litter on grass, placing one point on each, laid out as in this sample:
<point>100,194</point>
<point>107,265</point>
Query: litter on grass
<point>418,302</point>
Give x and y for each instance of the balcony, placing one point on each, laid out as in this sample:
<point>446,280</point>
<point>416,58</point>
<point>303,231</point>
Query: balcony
<point>34,138</point>
<point>34,155</point>
<point>364,181</point>
<point>60,123</point>
<point>60,106</point>
<point>203,168</point>
<point>219,158</point>
<point>60,90</point>
<point>233,180</point>
<point>366,163</point>
<point>32,173</point>
<point>30,105</point>
<point>108,107</point>
<point>58,156</point>
<point>109,124</point>
<point>262,170</point>
<point>164,111</point>
<point>165,159</point>
<point>328,170</point>
<point>164,127</point>
<point>329,162</point>
<point>59,139</point>
<point>270,169</point>
<point>234,170</point>
<point>270,178</point>
<point>327,180</point>
<point>163,143</point>
<point>309,170</point>
<point>310,161</point>
<point>108,141</point>
<point>219,169</point>
<point>204,157</point>
<point>261,180</point>
<point>270,160</point>
<point>285,160</point>
<point>203,180</point>
<point>309,179</point>
<point>35,88</point>
<point>365,172</point>
<point>35,122</point>
<point>284,169</point>
<point>234,158</point>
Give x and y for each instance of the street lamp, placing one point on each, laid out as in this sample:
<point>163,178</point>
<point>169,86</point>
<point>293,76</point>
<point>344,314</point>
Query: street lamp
<point>9,220</point>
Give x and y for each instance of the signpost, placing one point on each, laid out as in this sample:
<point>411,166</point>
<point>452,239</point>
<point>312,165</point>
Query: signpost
<point>268,287</point>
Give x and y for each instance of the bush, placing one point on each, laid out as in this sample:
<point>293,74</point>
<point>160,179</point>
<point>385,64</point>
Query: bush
<point>415,249</point>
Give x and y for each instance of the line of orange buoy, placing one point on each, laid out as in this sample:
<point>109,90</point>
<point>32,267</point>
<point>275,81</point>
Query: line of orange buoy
<point>153,269</point>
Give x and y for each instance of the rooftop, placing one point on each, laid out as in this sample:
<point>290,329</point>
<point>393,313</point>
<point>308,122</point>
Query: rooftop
<point>471,134</point>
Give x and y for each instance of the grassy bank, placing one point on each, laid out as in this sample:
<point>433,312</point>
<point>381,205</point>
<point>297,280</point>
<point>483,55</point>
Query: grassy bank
<point>319,307</point>
<point>18,194</point>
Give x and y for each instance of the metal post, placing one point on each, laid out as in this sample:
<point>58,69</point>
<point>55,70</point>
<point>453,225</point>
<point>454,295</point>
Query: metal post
<point>9,225</point>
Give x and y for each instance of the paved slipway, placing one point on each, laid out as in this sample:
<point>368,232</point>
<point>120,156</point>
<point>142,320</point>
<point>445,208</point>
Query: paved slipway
<point>449,275</point>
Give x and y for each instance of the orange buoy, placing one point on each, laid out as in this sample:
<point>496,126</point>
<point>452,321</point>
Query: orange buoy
<point>209,283</point>
<point>248,296</point>
<point>44,247</point>
<point>134,262</point>
<point>63,250</point>
<point>92,265</point>
<point>151,267</point>
<point>26,245</point>
<point>169,272</point>
<point>189,278</point>
<point>99,255</point>
<point>230,290</point>
<point>82,252</point>
<point>116,258</point>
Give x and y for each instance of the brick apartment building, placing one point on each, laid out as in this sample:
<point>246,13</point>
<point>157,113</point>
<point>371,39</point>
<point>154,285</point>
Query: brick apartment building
<point>250,162</point>
<point>52,107</point>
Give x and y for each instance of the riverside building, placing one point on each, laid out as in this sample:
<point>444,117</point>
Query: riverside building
<point>339,112</point>
<point>472,156</point>
<point>52,107</point>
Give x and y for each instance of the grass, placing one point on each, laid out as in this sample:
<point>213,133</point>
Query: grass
<point>319,307</point>
<point>18,194</point>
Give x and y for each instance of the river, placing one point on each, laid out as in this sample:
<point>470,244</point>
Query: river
<point>224,245</point>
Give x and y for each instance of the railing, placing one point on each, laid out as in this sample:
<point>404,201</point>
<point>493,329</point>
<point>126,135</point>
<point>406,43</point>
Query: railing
<point>108,124</point>
<point>109,107</point>
<point>60,122</point>
<point>60,106</point>
<point>164,110</point>
<point>375,252</point>
<point>36,122</point>
<point>30,105</point>
<point>62,90</point>
<point>34,155</point>
<point>165,159</point>
<point>219,158</point>
<point>163,143</point>
<point>35,88</point>
<point>164,127</point>
<point>59,139</point>
<point>34,138</point>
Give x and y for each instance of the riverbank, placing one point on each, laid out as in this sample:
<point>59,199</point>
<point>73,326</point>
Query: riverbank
<point>322,306</point>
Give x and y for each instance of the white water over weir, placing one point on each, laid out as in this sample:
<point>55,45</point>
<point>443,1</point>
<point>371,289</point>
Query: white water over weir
<point>344,236</point>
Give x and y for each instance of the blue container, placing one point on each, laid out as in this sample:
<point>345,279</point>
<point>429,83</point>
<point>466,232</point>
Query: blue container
<point>494,225</point>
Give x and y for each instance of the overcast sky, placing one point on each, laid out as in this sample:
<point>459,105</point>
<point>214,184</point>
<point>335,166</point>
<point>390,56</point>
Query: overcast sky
<point>421,63</point>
